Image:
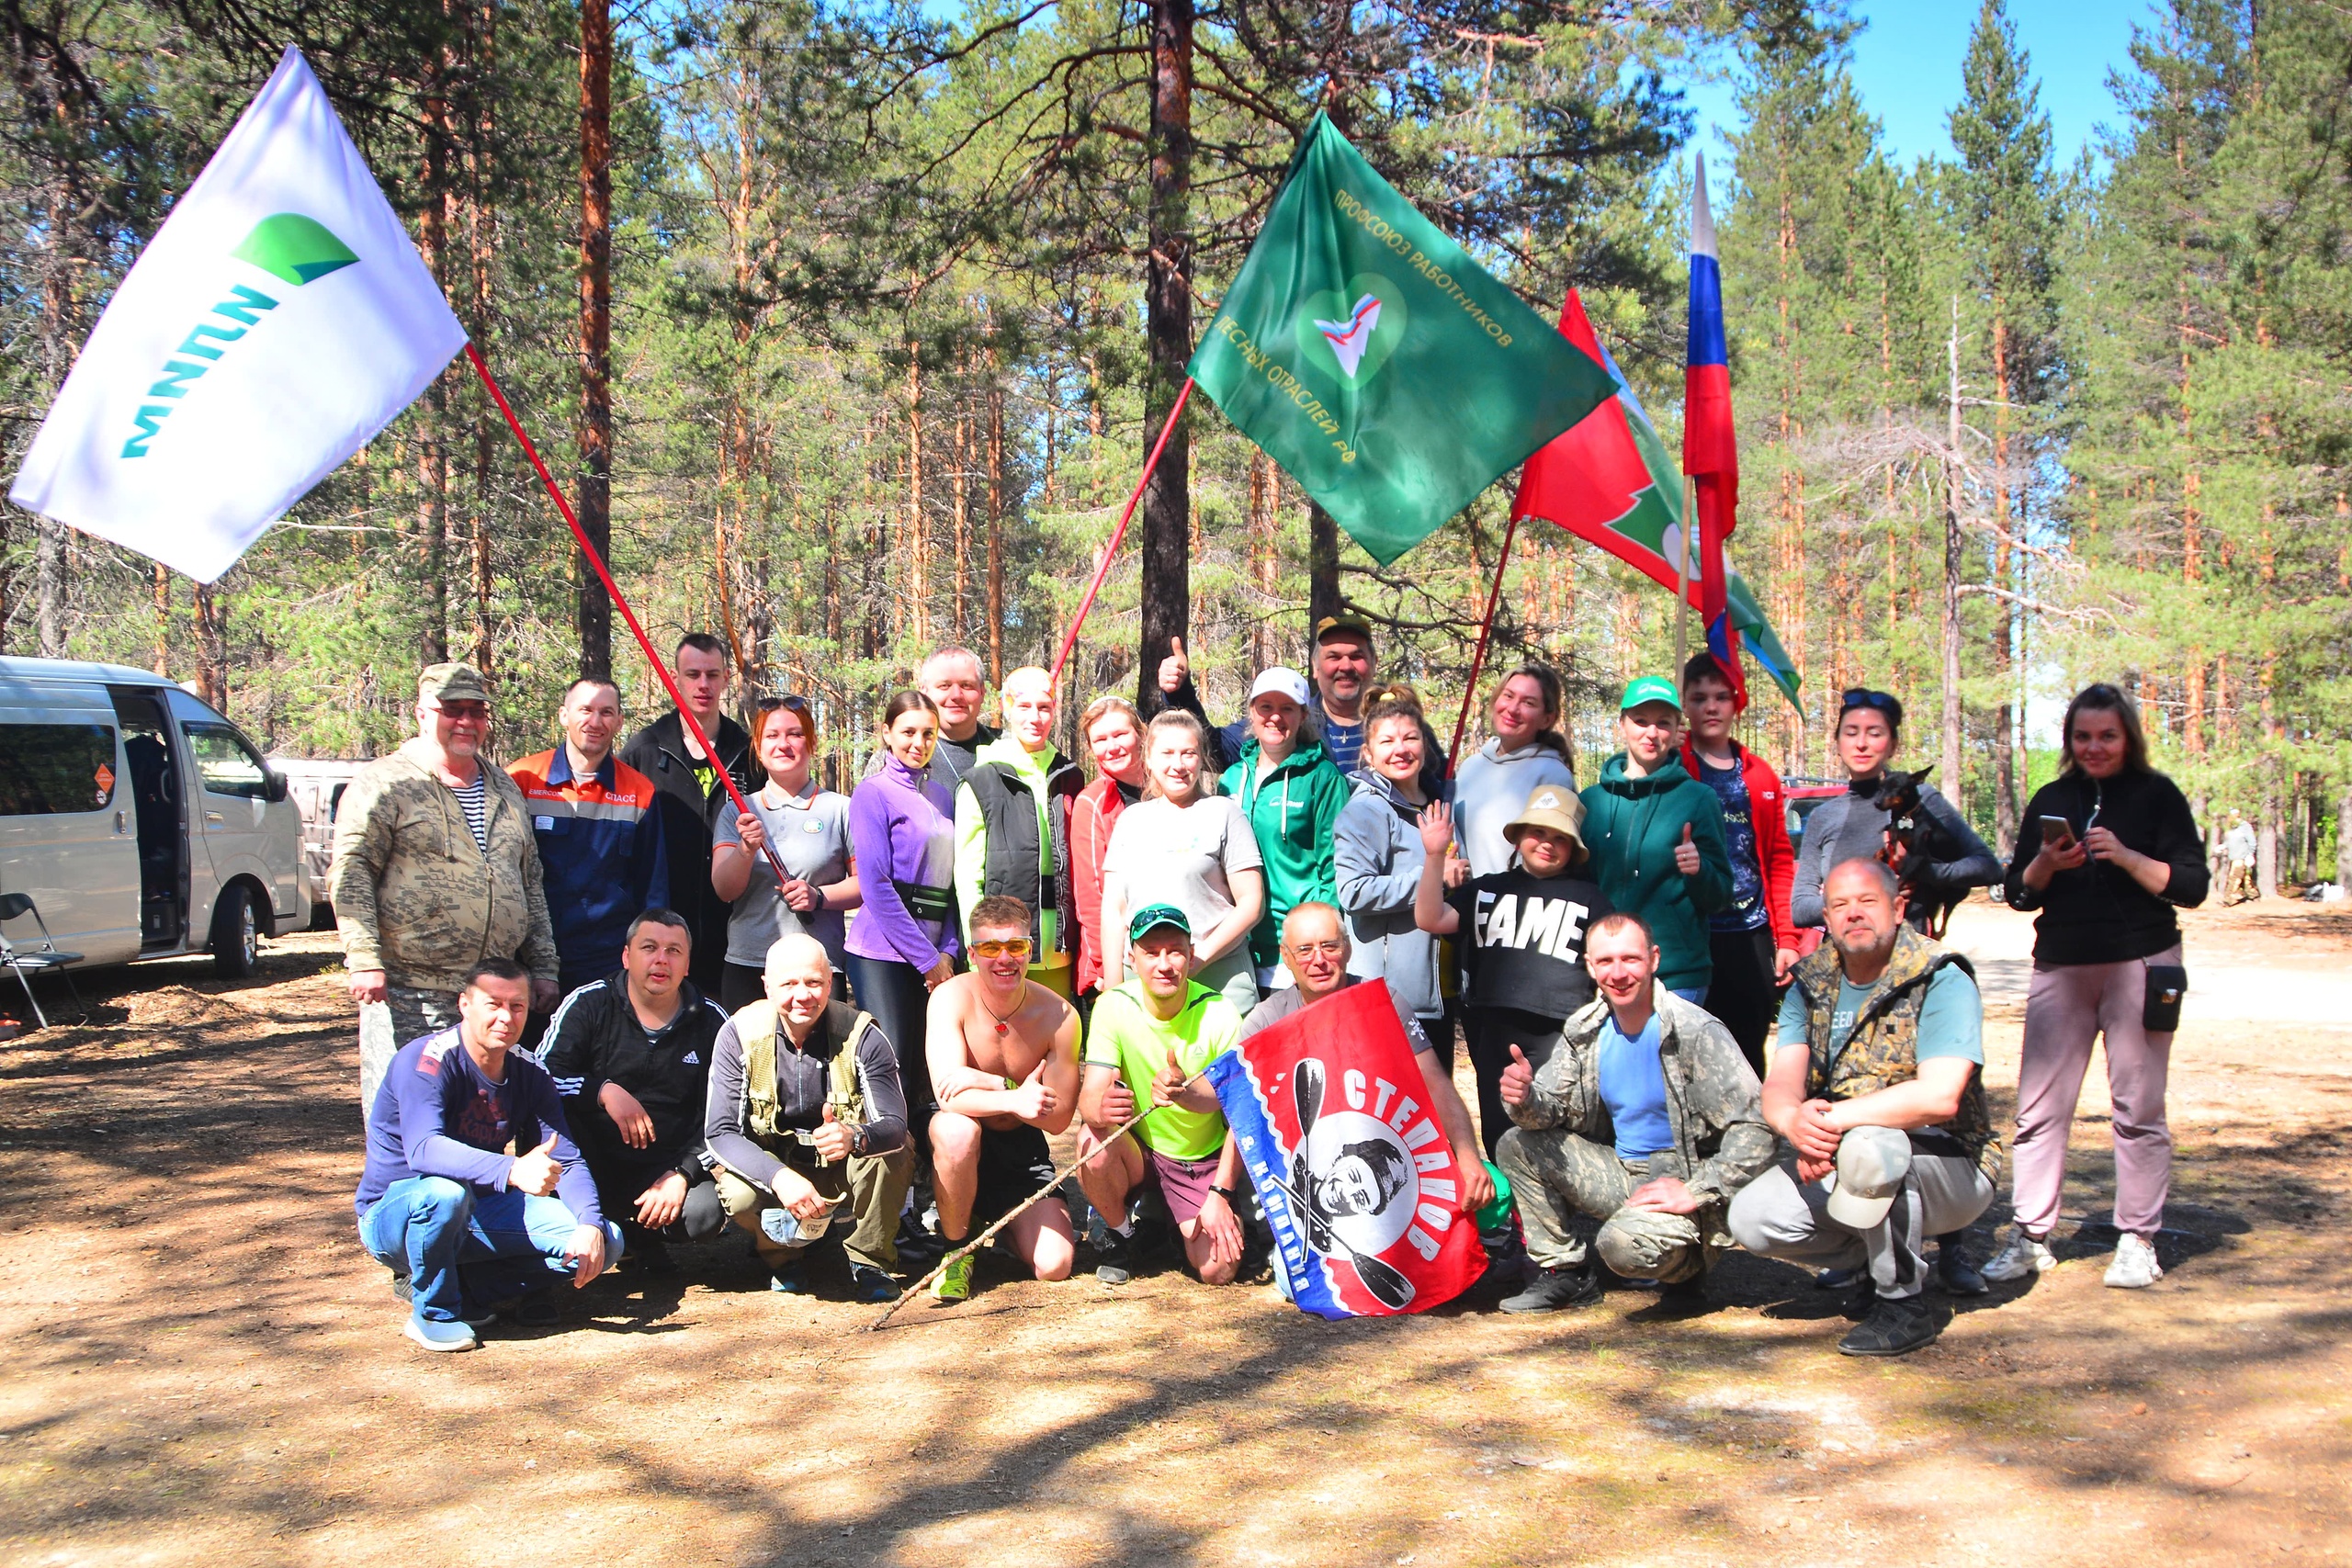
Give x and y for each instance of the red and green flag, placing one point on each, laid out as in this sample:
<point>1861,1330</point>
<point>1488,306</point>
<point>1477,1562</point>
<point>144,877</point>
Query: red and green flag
<point>1612,481</point>
<point>1380,364</point>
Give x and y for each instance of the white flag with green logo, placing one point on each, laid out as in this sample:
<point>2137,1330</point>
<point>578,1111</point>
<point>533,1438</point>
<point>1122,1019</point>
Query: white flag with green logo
<point>279,318</point>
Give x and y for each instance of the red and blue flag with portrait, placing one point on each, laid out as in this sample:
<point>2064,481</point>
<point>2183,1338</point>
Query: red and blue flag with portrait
<point>1351,1168</point>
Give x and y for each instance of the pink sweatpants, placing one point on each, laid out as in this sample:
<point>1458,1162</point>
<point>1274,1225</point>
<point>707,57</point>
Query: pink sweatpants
<point>2068,1006</point>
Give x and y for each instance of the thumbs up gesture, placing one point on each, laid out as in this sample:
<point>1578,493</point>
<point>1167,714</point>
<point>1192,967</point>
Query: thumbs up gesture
<point>536,1172</point>
<point>1686,854</point>
<point>830,1139</point>
<point>1518,1078</point>
<point>1175,667</point>
<point>1033,1100</point>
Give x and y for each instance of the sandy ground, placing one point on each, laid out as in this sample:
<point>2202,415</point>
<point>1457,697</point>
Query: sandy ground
<point>203,1368</point>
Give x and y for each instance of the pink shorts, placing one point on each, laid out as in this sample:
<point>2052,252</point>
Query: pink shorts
<point>1183,1183</point>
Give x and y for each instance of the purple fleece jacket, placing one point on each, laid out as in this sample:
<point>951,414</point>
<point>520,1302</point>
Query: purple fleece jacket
<point>903,829</point>
<point>437,1116</point>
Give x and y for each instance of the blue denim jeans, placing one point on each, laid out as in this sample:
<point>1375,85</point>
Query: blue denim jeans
<point>462,1249</point>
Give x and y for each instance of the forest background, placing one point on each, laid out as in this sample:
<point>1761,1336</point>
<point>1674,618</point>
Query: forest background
<point>847,324</point>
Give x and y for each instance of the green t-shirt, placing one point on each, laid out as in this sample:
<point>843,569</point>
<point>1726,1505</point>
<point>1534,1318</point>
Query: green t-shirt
<point>1127,1037</point>
<point>1952,1016</point>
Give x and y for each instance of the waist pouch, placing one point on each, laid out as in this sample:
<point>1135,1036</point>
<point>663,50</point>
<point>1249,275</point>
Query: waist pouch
<point>2167,983</point>
<point>926,903</point>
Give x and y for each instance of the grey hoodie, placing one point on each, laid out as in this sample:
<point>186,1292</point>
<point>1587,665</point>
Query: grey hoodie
<point>1489,788</point>
<point>1378,855</point>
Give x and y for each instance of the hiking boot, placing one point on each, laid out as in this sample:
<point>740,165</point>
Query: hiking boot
<point>2135,1266</point>
<point>1114,1262</point>
<point>1554,1288</point>
<point>2022,1256</point>
<point>435,1336</point>
<point>1956,1273</point>
<point>954,1281</point>
<point>1896,1327</point>
<point>536,1310</point>
<point>1684,1296</point>
<point>868,1283</point>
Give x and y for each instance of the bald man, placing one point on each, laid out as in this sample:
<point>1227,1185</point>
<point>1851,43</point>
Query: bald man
<point>1012,826</point>
<point>806,1124</point>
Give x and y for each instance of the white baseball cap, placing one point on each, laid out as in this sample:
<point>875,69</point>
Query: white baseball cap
<point>1281,680</point>
<point>1872,1165</point>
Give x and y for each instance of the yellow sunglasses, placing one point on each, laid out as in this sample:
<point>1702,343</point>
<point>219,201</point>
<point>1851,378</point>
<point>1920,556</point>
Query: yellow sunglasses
<point>1018,947</point>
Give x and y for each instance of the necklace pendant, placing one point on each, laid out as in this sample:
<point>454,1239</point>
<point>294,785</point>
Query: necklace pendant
<point>1001,1028</point>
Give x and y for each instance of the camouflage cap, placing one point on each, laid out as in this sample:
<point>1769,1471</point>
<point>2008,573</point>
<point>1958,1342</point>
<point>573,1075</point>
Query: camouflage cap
<point>451,682</point>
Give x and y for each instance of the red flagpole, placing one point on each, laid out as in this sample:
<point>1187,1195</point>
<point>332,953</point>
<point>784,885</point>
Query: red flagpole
<point>1478,658</point>
<point>604,575</point>
<point>1102,568</point>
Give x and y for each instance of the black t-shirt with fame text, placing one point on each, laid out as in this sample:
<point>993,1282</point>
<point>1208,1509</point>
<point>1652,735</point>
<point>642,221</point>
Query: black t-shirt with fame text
<point>1522,940</point>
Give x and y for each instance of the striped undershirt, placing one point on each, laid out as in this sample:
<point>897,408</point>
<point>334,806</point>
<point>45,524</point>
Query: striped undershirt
<point>473,800</point>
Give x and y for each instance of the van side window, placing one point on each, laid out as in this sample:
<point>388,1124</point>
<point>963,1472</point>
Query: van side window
<point>52,769</point>
<point>225,763</point>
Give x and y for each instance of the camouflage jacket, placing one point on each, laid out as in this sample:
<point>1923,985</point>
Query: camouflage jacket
<point>1882,1046</point>
<point>414,895</point>
<point>1721,1143</point>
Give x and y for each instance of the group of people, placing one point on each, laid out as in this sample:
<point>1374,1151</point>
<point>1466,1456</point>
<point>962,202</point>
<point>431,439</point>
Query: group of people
<point>862,1017</point>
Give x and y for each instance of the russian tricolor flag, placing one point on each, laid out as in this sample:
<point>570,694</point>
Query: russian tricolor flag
<point>1710,445</point>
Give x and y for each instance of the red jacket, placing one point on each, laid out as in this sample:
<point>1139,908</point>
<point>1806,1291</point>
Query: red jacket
<point>1093,812</point>
<point>1768,812</point>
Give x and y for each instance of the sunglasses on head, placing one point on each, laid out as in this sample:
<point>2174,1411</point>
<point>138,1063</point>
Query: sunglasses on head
<point>792,700</point>
<point>1864,697</point>
<point>1014,947</point>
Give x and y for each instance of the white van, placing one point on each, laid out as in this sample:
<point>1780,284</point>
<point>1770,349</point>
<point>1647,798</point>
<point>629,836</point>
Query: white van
<point>141,822</point>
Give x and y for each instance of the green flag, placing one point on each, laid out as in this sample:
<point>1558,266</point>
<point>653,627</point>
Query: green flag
<point>1374,359</point>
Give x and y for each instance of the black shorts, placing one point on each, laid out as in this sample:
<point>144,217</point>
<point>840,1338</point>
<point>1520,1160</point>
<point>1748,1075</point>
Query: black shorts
<point>1015,1165</point>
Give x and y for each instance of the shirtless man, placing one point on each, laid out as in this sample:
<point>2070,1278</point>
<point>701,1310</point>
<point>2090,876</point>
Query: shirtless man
<point>1003,1054</point>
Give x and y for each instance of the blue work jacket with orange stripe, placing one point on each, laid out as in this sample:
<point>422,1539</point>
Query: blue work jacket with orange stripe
<point>600,847</point>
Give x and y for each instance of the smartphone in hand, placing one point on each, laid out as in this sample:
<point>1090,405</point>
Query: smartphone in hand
<point>2057,832</point>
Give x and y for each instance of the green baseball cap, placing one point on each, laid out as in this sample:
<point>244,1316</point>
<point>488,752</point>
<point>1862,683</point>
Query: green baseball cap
<point>1649,689</point>
<point>1151,917</point>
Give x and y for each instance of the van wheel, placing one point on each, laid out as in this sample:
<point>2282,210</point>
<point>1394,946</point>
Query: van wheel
<point>236,934</point>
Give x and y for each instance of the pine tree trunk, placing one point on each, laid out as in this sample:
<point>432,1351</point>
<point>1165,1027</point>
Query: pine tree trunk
<point>962,517</point>
<point>996,531</point>
<point>594,608</point>
<point>2343,839</point>
<point>162,586</point>
<point>1948,764</point>
<point>1166,608</point>
<point>2006,804</point>
<point>481,242</point>
<point>1322,571</point>
<point>918,540</point>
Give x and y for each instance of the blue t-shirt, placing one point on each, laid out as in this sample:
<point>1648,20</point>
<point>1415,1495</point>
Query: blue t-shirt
<point>1951,1018</point>
<point>1746,912</point>
<point>1632,1085</point>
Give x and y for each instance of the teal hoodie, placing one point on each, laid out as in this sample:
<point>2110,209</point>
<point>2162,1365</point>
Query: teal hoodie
<point>1632,827</point>
<point>1293,814</point>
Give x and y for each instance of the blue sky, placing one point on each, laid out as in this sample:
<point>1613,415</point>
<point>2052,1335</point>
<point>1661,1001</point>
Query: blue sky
<point>1906,67</point>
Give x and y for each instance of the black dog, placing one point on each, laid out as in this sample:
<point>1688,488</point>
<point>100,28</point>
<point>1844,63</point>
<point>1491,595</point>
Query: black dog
<point>1913,844</point>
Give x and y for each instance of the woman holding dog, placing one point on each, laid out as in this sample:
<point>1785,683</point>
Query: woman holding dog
<point>2109,850</point>
<point>1854,825</point>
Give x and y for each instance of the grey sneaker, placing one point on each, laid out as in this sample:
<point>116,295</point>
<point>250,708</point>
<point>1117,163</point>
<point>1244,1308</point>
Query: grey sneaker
<point>2021,1256</point>
<point>2135,1266</point>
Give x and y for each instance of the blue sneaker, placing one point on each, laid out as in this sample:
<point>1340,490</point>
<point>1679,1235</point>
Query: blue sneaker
<point>788,1279</point>
<point>440,1335</point>
<point>868,1283</point>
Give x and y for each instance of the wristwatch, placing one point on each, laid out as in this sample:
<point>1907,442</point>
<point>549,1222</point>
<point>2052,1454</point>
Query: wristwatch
<point>858,1141</point>
<point>1232,1198</point>
<point>818,889</point>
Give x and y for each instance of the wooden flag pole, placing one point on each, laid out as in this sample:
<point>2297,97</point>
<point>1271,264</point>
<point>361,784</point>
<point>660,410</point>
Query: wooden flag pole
<point>1039,1196</point>
<point>603,574</point>
<point>1682,579</point>
<point>1478,655</point>
<point>1109,552</point>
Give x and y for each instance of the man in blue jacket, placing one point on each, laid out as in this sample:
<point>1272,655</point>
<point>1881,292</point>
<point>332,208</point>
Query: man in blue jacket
<point>462,1225</point>
<point>598,828</point>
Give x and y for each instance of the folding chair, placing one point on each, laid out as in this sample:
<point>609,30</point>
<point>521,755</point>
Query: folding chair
<point>14,905</point>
